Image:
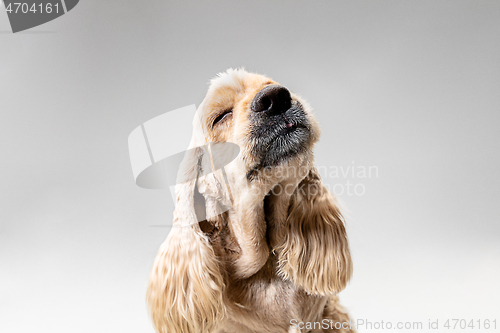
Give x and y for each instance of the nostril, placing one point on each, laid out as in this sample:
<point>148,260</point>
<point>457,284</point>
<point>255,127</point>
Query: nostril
<point>265,103</point>
<point>275,98</point>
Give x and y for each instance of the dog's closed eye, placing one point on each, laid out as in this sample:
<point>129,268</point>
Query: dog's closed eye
<point>222,116</point>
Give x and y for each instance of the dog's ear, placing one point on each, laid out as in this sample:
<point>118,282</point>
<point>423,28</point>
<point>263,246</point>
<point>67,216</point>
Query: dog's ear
<point>186,287</point>
<point>315,253</point>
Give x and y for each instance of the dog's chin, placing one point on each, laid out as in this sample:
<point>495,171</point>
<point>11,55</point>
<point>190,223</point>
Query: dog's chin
<point>288,144</point>
<point>289,148</point>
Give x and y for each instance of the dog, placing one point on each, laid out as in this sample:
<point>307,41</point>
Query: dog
<point>266,250</point>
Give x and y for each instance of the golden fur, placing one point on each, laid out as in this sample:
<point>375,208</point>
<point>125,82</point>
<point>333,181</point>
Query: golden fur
<point>272,257</point>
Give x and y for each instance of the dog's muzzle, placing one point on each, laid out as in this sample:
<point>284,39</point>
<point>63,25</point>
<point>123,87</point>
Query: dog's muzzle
<point>280,128</point>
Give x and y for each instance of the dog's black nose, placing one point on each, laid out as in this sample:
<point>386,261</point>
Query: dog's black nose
<point>274,99</point>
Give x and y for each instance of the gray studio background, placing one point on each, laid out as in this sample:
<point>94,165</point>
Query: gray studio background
<point>408,87</point>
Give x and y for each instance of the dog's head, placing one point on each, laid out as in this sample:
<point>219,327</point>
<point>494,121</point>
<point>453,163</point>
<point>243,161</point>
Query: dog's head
<point>273,127</point>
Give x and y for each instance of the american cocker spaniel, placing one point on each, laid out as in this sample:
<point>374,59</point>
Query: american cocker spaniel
<point>265,249</point>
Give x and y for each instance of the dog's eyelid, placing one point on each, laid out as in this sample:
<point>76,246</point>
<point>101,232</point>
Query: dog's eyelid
<point>221,116</point>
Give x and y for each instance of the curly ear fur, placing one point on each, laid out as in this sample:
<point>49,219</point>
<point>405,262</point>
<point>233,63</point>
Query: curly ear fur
<point>185,287</point>
<point>185,292</point>
<point>315,253</point>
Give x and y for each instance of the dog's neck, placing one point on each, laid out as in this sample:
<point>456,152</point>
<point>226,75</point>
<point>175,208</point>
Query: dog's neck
<point>259,215</point>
